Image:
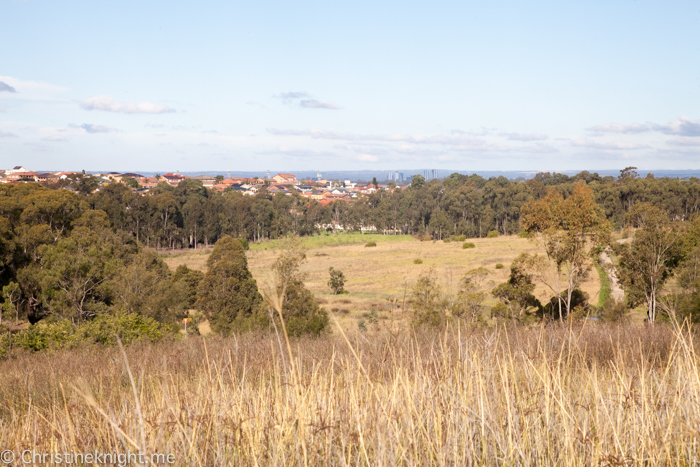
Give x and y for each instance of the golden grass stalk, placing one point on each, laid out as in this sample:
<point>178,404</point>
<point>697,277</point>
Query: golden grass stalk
<point>580,395</point>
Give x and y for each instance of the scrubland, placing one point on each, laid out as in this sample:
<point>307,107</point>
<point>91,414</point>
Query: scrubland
<point>556,395</point>
<point>380,278</point>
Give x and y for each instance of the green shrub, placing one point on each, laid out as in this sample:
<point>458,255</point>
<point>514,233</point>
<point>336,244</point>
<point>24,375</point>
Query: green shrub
<point>370,243</point>
<point>468,245</point>
<point>458,238</point>
<point>524,234</point>
<point>103,329</point>
<point>417,261</point>
<point>446,240</point>
<point>499,266</point>
<point>336,281</point>
<point>492,234</point>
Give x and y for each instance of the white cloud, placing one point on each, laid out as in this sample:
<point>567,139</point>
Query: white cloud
<point>524,136</point>
<point>367,158</point>
<point>314,104</point>
<point>684,141</point>
<point>620,128</point>
<point>7,134</point>
<point>302,99</point>
<point>538,149</point>
<point>31,89</point>
<point>451,139</point>
<point>614,145</point>
<point>90,128</point>
<point>54,138</point>
<point>4,87</point>
<point>293,95</point>
<point>108,104</point>
<point>683,126</point>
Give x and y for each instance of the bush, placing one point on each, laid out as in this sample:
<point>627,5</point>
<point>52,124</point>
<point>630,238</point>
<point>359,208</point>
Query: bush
<point>492,234</point>
<point>499,266</point>
<point>524,234</point>
<point>103,329</point>
<point>336,281</point>
<point>427,300</point>
<point>458,238</point>
<point>370,243</point>
<point>446,240</point>
<point>417,261</point>
<point>468,245</point>
<point>228,294</point>
<point>615,311</point>
<point>294,302</point>
<point>302,314</point>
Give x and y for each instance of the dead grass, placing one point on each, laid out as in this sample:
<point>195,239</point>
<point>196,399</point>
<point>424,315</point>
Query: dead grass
<point>595,395</point>
<point>388,271</point>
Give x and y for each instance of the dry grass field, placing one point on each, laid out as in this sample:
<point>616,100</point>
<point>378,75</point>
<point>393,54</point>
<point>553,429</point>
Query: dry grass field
<point>586,395</point>
<point>376,274</point>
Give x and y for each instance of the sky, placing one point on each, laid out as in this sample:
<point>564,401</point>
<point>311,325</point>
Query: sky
<point>349,85</point>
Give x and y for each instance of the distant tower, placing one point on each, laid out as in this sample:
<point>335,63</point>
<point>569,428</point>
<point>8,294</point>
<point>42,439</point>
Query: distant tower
<point>228,174</point>
<point>318,175</point>
<point>268,174</point>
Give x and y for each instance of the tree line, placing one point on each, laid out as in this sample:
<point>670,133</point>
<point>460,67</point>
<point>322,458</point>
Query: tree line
<point>76,254</point>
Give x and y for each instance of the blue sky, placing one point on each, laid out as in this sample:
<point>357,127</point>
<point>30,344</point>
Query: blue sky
<point>499,85</point>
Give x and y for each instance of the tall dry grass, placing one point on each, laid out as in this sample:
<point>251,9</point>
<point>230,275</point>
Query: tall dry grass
<point>593,395</point>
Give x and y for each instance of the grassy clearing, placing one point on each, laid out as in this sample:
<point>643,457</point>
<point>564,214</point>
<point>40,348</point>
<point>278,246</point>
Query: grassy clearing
<point>321,241</point>
<point>380,278</point>
<point>594,395</point>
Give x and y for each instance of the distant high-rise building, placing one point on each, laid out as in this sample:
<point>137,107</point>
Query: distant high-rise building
<point>395,176</point>
<point>268,174</point>
<point>318,175</point>
<point>430,174</point>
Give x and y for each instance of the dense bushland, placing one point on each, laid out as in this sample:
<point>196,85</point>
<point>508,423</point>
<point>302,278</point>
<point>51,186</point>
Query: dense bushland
<point>78,255</point>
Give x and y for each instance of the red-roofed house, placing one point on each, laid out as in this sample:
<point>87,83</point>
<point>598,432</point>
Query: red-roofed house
<point>286,178</point>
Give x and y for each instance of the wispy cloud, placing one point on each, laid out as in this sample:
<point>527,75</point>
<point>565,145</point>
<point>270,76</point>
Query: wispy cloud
<point>256,104</point>
<point>315,104</point>
<point>524,136</point>
<point>684,141</point>
<point>293,95</point>
<point>29,89</point>
<point>683,126</point>
<point>7,134</point>
<point>4,87</point>
<point>305,100</point>
<point>450,139</point>
<point>54,138</point>
<point>613,145</point>
<point>90,128</point>
<point>108,104</point>
<point>296,152</point>
<point>367,158</point>
<point>620,128</point>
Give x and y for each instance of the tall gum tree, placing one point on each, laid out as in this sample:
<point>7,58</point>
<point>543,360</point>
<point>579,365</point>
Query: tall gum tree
<point>570,230</point>
<point>647,262</point>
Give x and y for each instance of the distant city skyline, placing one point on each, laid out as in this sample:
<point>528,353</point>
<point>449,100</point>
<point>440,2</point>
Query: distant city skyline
<point>307,86</point>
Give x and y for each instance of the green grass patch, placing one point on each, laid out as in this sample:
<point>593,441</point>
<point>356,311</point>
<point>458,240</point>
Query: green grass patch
<point>605,286</point>
<point>321,241</point>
